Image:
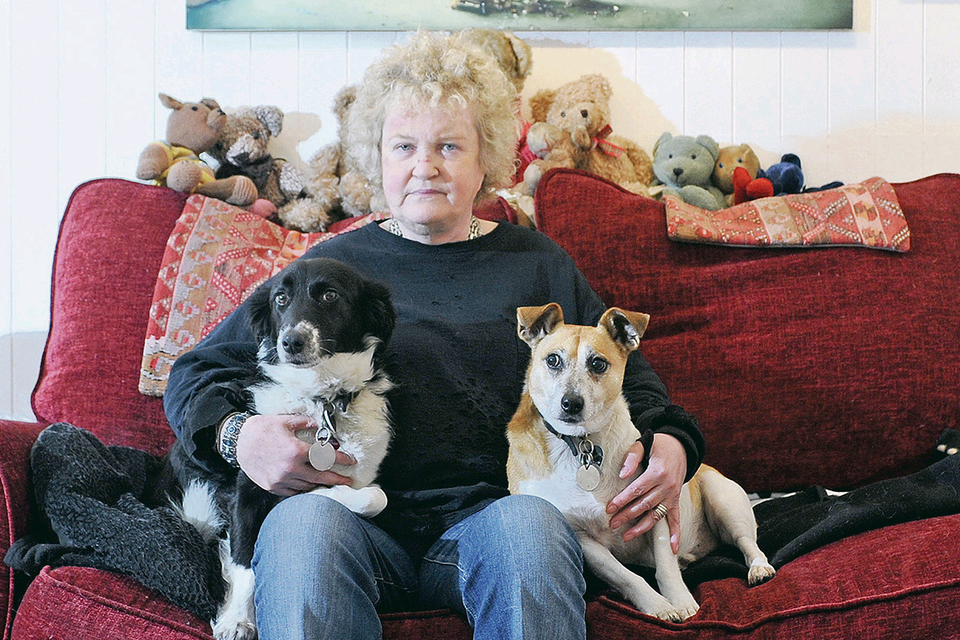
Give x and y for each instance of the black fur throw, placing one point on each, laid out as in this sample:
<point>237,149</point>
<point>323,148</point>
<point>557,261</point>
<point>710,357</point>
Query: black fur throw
<point>103,507</point>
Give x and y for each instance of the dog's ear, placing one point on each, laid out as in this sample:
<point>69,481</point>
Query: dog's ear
<point>533,323</point>
<point>260,310</point>
<point>625,327</point>
<point>377,314</point>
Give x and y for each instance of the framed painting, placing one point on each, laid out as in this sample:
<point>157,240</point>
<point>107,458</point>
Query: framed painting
<point>518,15</point>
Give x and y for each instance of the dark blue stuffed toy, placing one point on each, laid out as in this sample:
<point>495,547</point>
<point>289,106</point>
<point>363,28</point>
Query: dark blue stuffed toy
<point>787,177</point>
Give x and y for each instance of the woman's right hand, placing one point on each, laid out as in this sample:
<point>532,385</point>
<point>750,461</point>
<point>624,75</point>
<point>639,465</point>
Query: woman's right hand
<point>271,455</point>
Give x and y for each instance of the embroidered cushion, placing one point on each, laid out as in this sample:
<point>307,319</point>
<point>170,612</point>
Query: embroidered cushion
<point>866,214</point>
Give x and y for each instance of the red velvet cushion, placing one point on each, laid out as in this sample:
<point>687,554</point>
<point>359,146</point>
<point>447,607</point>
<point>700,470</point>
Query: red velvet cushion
<point>881,584</point>
<point>112,238</point>
<point>830,366</point>
<point>79,603</point>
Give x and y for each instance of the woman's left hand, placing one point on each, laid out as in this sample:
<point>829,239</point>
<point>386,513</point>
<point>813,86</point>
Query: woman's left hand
<point>659,484</point>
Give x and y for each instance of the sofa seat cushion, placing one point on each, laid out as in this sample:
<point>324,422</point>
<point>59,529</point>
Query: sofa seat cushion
<point>880,584</point>
<point>91,604</point>
<point>813,366</point>
<point>99,604</point>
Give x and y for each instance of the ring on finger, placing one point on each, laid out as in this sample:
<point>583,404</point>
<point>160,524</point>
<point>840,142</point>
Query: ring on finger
<point>659,512</point>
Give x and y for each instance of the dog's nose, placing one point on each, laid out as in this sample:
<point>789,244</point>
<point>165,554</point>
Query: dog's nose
<point>571,403</point>
<point>293,343</point>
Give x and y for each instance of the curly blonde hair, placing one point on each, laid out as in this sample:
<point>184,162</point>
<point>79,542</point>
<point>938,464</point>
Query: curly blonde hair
<point>444,71</point>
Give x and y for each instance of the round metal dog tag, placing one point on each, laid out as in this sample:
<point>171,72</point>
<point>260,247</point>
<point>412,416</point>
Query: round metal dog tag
<point>588,477</point>
<point>322,455</point>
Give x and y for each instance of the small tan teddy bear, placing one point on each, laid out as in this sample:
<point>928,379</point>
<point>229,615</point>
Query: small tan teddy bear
<point>728,159</point>
<point>571,128</point>
<point>192,129</point>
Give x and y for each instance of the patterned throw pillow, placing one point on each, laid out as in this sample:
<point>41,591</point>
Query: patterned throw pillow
<point>215,257</point>
<point>866,214</point>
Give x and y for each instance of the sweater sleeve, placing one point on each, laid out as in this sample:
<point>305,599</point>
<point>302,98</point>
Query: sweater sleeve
<point>207,383</point>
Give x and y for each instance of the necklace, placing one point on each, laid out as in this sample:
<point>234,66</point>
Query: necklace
<point>475,232</point>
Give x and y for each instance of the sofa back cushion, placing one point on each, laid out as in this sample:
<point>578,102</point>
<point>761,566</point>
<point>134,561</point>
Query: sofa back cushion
<point>112,238</point>
<point>829,366</point>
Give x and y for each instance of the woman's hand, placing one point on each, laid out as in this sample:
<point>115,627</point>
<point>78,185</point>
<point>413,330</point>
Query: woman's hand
<point>271,455</point>
<point>659,484</point>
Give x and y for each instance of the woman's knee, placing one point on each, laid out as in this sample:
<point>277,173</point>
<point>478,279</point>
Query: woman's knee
<point>528,529</point>
<point>307,531</point>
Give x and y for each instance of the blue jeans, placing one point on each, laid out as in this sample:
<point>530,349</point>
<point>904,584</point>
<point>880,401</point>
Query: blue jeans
<point>514,569</point>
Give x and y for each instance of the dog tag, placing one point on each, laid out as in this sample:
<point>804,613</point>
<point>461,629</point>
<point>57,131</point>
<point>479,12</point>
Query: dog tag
<point>322,455</point>
<point>588,477</point>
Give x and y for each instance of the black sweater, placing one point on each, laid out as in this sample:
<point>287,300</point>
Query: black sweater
<point>455,357</point>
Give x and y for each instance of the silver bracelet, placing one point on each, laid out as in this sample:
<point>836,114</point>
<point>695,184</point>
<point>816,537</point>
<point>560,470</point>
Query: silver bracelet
<point>227,436</point>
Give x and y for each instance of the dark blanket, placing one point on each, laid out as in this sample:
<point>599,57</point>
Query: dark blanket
<point>100,507</point>
<point>104,507</point>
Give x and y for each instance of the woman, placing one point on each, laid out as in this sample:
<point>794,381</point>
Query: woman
<point>434,125</point>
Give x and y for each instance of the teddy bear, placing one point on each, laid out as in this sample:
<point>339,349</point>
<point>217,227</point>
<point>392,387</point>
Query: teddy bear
<point>192,128</point>
<point>242,149</point>
<point>684,165</point>
<point>513,55</point>
<point>339,187</point>
<point>738,175</point>
<point>571,128</point>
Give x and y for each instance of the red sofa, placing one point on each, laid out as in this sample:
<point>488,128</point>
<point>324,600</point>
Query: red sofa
<point>833,366</point>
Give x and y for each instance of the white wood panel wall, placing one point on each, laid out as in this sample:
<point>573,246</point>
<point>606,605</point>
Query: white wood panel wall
<point>79,80</point>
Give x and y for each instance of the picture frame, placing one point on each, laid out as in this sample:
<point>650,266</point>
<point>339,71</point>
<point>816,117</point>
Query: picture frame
<point>519,15</point>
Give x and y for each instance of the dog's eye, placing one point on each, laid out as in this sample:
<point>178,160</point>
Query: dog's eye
<point>329,295</point>
<point>281,299</point>
<point>554,361</point>
<point>598,365</point>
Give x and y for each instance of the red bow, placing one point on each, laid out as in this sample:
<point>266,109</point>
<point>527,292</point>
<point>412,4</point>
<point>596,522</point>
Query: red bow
<point>607,147</point>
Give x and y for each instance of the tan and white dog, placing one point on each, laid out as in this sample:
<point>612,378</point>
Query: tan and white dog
<point>568,439</point>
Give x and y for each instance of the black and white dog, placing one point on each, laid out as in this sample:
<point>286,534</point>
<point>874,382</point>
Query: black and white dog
<point>322,330</point>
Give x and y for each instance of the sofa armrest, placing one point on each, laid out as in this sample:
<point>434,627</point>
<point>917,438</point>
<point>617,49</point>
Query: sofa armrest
<point>16,440</point>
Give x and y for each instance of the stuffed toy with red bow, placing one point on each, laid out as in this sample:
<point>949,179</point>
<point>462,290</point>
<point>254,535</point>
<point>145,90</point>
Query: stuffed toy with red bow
<point>571,128</point>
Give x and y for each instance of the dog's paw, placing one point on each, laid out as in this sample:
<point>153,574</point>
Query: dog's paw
<point>760,572</point>
<point>677,614</point>
<point>658,606</point>
<point>234,630</point>
<point>366,501</point>
<point>376,501</point>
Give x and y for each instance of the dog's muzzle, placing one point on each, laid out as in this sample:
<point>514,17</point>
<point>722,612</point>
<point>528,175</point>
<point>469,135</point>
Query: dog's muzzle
<point>298,345</point>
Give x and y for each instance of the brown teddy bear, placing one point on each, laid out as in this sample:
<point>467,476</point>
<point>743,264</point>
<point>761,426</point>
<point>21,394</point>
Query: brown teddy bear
<point>242,149</point>
<point>512,54</point>
<point>339,188</point>
<point>571,128</point>
<point>192,128</point>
